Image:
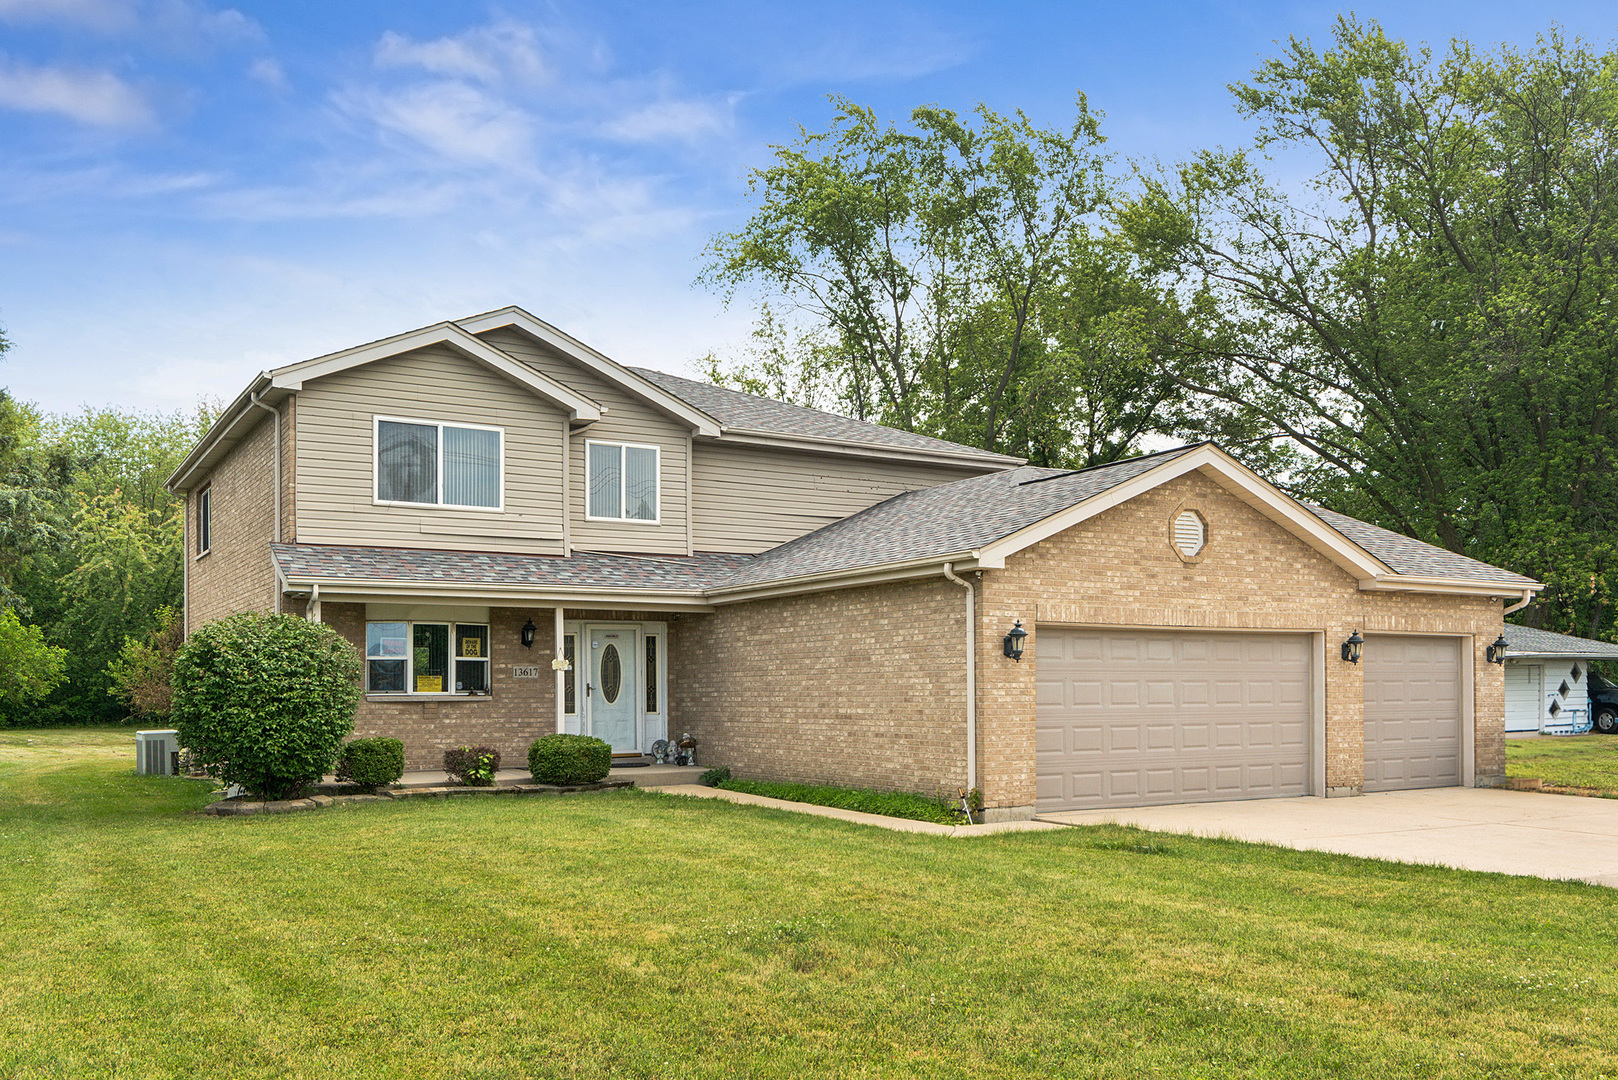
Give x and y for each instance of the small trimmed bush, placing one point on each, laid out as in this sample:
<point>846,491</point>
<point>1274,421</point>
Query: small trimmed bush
<point>714,777</point>
<point>372,763</point>
<point>569,759</point>
<point>473,766</point>
<point>265,701</point>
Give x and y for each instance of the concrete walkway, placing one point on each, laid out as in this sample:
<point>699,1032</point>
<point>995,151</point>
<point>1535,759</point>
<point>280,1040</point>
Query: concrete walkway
<point>1505,832</point>
<point>881,821</point>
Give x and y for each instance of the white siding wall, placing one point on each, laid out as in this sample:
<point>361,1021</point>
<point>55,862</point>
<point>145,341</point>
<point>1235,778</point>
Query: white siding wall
<point>749,499</point>
<point>626,419</point>
<point>1529,696</point>
<point>335,464</point>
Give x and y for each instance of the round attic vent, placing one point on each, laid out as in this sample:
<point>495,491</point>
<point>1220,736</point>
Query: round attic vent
<point>1190,535</point>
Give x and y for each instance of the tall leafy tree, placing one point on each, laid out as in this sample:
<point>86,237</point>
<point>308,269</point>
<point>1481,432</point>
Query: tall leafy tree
<point>954,278</point>
<point>1427,326</point>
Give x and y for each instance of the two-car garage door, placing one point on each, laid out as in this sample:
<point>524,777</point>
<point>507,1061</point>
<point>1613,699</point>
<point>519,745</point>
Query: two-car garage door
<point>1136,718</point>
<point>1133,718</point>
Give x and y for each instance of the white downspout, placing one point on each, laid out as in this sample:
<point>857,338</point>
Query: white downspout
<point>276,424</point>
<point>971,676</point>
<point>312,613</point>
<point>1527,598</point>
<point>561,676</point>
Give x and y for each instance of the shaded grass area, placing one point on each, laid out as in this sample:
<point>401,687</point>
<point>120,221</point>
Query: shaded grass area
<point>1581,761</point>
<point>633,934</point>
<point>897,804</point>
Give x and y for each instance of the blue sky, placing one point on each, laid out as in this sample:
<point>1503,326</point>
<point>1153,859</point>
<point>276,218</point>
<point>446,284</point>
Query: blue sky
<point>190,193</point>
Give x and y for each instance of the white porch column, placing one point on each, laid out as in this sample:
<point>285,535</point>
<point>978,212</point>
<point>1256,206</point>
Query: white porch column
<point>560,664</point>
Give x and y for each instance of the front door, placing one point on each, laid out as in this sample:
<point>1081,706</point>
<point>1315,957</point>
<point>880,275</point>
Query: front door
<point>610,691</point>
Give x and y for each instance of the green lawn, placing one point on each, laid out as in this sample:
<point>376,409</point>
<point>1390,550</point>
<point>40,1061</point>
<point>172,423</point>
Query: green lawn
<point>1581,761</point>
<point>628,934</point>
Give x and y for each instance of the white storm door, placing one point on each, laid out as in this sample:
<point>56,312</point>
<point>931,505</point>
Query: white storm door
<point>611,684</point>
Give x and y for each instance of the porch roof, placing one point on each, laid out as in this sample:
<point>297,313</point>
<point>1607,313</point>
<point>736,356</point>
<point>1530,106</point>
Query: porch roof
<point>323,564</point>
<point>1525,643</point>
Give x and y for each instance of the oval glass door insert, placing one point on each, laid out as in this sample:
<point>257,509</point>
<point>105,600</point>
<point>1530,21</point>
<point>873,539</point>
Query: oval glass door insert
<point>612,673</point>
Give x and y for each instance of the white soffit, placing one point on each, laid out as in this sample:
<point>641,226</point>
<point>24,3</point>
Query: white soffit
<point>580,353</point>
<point>579,407</point>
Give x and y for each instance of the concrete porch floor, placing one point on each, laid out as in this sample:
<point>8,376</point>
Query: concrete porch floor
<point>1504,832</point>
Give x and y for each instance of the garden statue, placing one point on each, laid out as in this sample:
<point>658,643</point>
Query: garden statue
<point>688,750</point>
<point>660,751</point>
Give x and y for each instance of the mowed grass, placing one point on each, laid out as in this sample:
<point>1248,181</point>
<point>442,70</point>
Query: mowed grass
<point>1581,761</point>
<point>632,934</point>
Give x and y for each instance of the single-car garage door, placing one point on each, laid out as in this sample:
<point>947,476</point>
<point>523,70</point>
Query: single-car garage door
<point>1412,712</point>
<point>1132,718</point>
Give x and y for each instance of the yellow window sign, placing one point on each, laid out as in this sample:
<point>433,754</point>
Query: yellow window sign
<point>429,684</point>
<point>471,646</point>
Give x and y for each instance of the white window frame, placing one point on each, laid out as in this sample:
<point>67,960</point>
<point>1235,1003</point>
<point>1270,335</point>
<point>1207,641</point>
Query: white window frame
<point>409,659</point>
<point>438,482</point>
<point>623,487</point>
<point>204,521</point>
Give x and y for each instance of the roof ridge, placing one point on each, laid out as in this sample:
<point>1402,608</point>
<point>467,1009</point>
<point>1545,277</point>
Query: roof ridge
<point>1110,464</point>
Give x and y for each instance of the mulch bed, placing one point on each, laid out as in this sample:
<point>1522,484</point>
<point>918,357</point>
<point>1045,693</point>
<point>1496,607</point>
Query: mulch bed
<point>244,805</point>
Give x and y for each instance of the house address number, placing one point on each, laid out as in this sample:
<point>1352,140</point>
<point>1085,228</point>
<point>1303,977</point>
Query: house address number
<point>525,671</point>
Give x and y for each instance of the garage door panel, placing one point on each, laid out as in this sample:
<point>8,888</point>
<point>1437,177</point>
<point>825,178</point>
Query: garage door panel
<point>1183,717</point>
<point>1412,712</point>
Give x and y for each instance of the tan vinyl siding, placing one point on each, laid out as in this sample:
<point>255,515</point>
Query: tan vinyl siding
<point>749,499</point>
<point>335,468</point>
<point>625,419</point>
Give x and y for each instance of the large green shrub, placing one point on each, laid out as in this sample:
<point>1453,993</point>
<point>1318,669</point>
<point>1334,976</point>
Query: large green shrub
<point>266,700</point>
<point>569,759</point>
<point>371,763</point>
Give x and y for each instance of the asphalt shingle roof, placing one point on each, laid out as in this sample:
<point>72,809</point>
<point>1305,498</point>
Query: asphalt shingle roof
<point>1527,641</point>
<point>934,522</point>
<point>505,570</point>
<point>749,412</point>
<point>1413,557</point>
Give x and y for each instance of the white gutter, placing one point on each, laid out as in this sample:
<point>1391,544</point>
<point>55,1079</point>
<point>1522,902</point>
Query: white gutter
<point>1527,598</point>
<point>971,677</point>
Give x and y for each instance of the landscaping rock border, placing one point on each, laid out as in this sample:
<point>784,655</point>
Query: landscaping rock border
<point>246,805</point>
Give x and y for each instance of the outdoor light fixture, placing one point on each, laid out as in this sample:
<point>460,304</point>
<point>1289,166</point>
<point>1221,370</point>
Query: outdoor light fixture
<point>528,634</point>
<point>1351,647</point>
<point>1496,653</point>
<point>1014,640</point>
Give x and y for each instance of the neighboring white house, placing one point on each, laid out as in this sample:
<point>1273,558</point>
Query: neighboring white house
<point>1548,677</point>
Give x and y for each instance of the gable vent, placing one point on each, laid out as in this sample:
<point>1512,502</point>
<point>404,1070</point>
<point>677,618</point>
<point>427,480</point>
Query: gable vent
<point>1189,536</point>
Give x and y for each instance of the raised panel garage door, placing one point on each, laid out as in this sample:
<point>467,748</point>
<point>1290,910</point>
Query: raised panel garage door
<point>1133,718</point>
<point>1412,712</point>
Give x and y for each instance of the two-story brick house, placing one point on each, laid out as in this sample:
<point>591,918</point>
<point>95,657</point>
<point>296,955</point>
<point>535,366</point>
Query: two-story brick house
<point>520,536</point>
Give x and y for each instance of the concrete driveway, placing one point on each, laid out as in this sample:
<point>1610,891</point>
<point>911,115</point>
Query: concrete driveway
<point>1506,832</point>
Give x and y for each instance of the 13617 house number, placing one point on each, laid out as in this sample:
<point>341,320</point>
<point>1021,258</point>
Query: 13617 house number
<point>525,671</point>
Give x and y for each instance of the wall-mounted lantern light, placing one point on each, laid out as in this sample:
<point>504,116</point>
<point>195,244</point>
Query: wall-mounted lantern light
<point>1014,641</point>
<point>528,634</point>
<point>1351,647</point>
<point>1496,653</point>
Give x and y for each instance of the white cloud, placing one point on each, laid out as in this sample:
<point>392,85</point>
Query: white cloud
<point>267,71</point>
<point>98,98</point>
<point>488,54</point>
<point>178,24</point>
<point>678,120</point>
<point>107,16</point>
<point>457,121</point>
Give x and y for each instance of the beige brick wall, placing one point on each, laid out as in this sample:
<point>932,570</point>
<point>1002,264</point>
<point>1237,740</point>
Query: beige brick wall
<point>236,574</point>
<point>862,687</point>
<point>1117,569</point>
<point>516,712</point>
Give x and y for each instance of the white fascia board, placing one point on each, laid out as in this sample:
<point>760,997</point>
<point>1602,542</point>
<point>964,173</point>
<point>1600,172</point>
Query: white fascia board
<point>1256,492</point>
<point>609,369</point>
<point>981,462</point>
<point>929,566</point>
<point>342,590</point>
<point>1412,583</point>
<point>293,376</point>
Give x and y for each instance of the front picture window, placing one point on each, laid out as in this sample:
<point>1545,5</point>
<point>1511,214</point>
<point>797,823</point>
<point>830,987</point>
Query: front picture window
<point>438,464</point>
<point>622,481</point>
<point>426,658</point>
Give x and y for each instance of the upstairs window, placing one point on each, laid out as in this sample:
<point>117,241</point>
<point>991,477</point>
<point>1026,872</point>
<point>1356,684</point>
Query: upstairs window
<point>204,520</point>
<point>438,464</point>
<point>622,482</point>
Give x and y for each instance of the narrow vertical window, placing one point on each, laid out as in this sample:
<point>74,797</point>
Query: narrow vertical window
<point>606,480</point>
<point>429,662</point>
<point>651,673</point>
<point>471,658</point>
<point>640,483</point>
<point>204,520</point>
<point>569,701</point>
